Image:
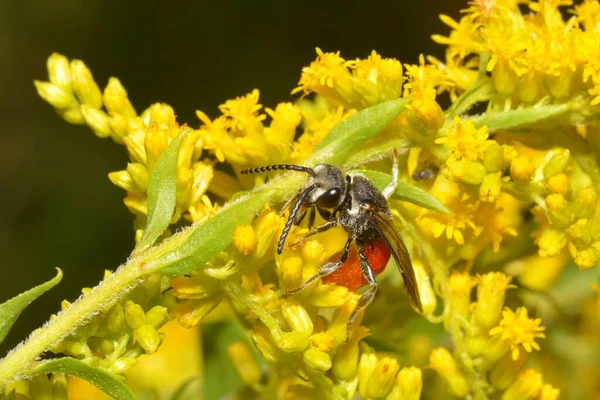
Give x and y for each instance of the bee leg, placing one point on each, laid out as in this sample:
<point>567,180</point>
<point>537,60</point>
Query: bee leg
<point>292,217</point>
<point>311,217</point>
<point>391,187</point>
<point>326,215</point>
<point>325,269</point>
<point>369,294</point>
<point>300,216</point>
<point>318,229</point>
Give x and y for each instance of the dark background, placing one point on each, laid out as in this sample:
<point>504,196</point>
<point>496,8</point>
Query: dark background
<point>57,206</point>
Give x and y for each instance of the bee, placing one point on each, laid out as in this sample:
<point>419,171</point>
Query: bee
<point>354,203</point>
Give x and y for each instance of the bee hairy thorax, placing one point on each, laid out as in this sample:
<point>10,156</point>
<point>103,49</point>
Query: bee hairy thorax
<point>362,199</point>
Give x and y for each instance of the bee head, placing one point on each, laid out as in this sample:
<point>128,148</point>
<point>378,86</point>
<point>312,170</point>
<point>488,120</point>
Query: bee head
<point>330,186</point>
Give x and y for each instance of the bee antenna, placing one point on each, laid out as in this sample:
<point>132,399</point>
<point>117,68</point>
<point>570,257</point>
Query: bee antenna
<point>276,167</point>
<point>292,217</point>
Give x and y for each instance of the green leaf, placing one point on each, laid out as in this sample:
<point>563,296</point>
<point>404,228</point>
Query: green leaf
<point>104,380</point>
<point>11,309</point>
<point>353,131</point>
<point>213,236</point>
<point>220,376</point>
<point>405,191</point>
<point>162,193</point>
<point>520,118</point>
<point>188,389</point>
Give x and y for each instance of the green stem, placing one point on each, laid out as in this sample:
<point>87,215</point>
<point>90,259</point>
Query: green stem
<point>17,363</point>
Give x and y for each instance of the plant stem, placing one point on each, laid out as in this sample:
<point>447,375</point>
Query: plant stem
<point>16,364</point>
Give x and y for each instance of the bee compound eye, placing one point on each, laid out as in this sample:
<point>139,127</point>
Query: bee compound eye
<point>330,198</point>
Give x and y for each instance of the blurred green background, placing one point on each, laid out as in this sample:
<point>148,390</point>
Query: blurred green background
<point>58,207</point>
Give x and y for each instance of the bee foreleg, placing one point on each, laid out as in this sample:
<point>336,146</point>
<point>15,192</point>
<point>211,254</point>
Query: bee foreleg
<point>325,269</point>
<point>318,229</point>
<point>391,187</point>
<point>292,217</point>
<point>369,294</point>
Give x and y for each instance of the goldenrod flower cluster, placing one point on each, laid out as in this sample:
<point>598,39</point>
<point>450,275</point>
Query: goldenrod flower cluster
<point>514,159</point>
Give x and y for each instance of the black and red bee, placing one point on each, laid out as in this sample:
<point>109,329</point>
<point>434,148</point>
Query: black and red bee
<point>354,203</point>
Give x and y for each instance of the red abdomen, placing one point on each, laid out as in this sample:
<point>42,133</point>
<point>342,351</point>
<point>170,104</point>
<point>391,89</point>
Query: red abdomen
<point>350,274</point>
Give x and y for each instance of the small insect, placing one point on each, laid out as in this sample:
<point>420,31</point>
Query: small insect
<point>355,204</point>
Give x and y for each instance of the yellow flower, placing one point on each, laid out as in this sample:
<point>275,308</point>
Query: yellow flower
<point>465,141</point>
<point>519,330</point>
<point>244,239</point>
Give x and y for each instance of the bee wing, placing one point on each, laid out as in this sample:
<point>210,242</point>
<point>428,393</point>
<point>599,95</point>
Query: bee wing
<point>386,229</point>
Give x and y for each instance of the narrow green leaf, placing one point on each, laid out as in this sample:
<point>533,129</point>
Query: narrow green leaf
<point>353,131</point>
<point>189,389</point>
<point>213,236</point>
<point>11,309</point>
<point>104,380</point>
<point>405,191</point>
<point>162,193</point>
<point>220,376</point>
<point>520,117</point>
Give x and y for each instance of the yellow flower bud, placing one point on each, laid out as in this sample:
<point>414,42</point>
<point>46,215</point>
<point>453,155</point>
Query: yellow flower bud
<point>291,273</point>
<point>493,158</point>
<point>134,315</point>
<point>442,361</point>
<point>244,239</point>
<point>191,312</point>
<point>122,365</point>
<point>558,184</point>
<point>157,316</point>
<point>40,388</point>
<point>339,323</point>
<point>558,161</point>
<point>317,359</point>
<point>587,258</point>
<point>84,86</point>
<point>72,115</point>
<point>366,366</point>
<point>460,285</point>
<point>527,386</point>
<point>97,120</point>
<point>161,114</point>
<point>490,298</point>
<point>585,203</point>
<point>471,172</point>
<point>312,252</point>
<point>59,387</point>
<point>549,393</point>
<point>297,316</point>
<point>139,175</point>
<point>426,293</point>
<point>490,188</point>
<point>408,385</point>
<point>425,116</point>
<point>506,370</point>
<point>382,378</point>
<point>116,101</point>
<point>504,77</point>
<point>521,169</point>
<point>538,273</point>
<point>59,71</point>
<point>244,363</point>
<point>293,342</point>
<point>123,180</point>
<point>261,337</point>
<point>115,319</point>
<point>345,361</point>
<point>148,338</point>
<point>528,89</point>
<point>325,296</point>
<point>560,84</point>
<point>551,242</point>
<point>55,95</point>
<point>134,142</point>
<point>107,346</point>
<point>559,212</point>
